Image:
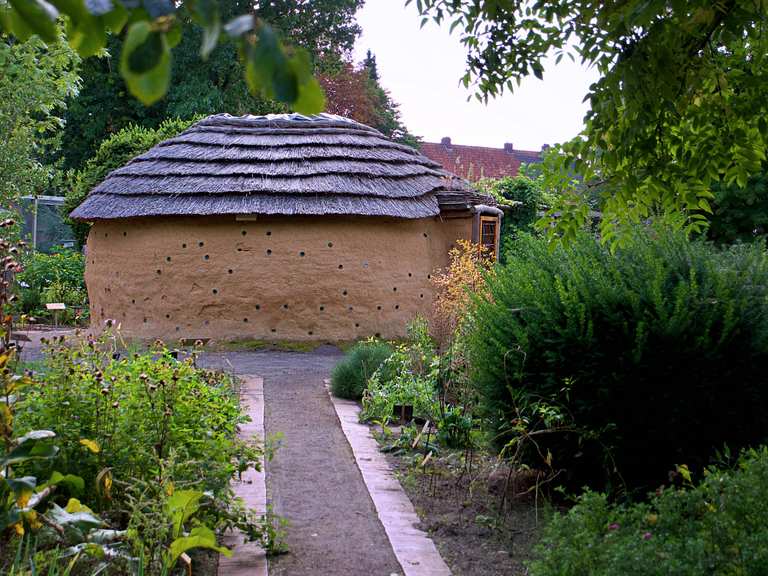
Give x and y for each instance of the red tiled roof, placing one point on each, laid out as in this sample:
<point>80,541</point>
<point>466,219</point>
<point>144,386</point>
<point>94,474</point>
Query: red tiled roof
<point>477,162</point>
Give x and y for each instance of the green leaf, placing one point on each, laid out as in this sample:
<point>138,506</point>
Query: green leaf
<point>116,19</point>
<point>150,82</point>
<point>29,451</point>
<point>75,515</point>
<point>40,16</point>
<point>181,506</point>
<point>146,55</point>
<point>200,537</point>
<point>207,14</point>
<point>75,484</point>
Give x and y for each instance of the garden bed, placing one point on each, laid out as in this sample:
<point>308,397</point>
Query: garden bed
<point>476,529</point>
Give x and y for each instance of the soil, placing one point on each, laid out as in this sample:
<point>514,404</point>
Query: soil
<point>463,513</point>
<point>313,481</point>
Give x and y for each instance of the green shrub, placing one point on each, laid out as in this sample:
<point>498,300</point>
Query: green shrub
<point>350,376</point>
<point>642,359</point>
<point>136,416</point>
<point>716,528</point>
<point>409,377</point>
<point>55,277</point>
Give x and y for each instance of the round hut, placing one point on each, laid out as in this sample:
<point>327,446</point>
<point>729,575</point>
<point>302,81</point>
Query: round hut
<point>281,227</point>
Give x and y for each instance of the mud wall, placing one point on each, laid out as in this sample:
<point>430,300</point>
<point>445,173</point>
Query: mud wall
<point>276,278</point>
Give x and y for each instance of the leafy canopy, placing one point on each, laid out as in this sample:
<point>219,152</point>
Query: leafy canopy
<point>153,27</point>
<point>326,28</point>
<point>35,81</point>
<point>679,106</point>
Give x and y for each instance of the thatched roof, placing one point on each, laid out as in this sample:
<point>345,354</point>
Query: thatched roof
<point>278,164</point>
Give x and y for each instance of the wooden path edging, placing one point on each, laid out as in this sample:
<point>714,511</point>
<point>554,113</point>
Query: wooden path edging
<point>413,548</point>
<point>249,559</point>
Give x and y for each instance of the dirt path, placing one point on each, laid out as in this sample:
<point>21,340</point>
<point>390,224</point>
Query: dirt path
<point>313,481</point>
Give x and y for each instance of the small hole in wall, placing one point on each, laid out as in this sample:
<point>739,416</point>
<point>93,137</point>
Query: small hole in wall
<point>357,325</point>
<point>378,307</point>
<point>350,308</point>
<point>421,295</point>
<point>239,249</point>
<point>378,334</point>
<point>429,276</point>
<point>269,252</point>
<point>425,234</point>
<point>230,271</point>
<point>106,234</point>
<point>206,322</point>
<point>206,257</point>
<point>244,232</point>
<point>394,289</point>
<point>125,233</point>
<point>145,320</point>
<point>177,328</point>
<point>285,306</point>
<point>184,245</point>
<point>258,307</point>
<point>322,308</point>
<point>341,266</point>
<point>215,291</point>
<point>159,271</point>
<point>163,297</point>
<point>302,253</point>
<point>245,319</point>
<point>167,258</point>
<point>397,306</point>
<point>269,233</point>
<point>310,332</point>
<point>409,274</point>
<point>344,293</point>
<point>201,244</point>
<point>167,315</point>
<point>133,300</point>
<point>330,244</point>
<point>273,330</point>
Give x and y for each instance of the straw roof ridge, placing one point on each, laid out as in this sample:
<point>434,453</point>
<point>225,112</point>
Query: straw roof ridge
<point>152,168</point>
<point>278,164</point>
<point>309,152</point>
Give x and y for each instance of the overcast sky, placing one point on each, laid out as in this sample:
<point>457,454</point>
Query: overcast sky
<point>421,68</point>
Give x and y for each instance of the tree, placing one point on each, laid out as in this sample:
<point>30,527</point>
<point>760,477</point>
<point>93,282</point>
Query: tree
<point>680,104</point>
<point>199,87</point>
<point>113,153</point>
<point>154,27</point>
<point>35,80</point>
<point>355,92</point>
<point>740,214</point>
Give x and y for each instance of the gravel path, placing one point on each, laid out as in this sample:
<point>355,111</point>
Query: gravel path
<point>313,481</point>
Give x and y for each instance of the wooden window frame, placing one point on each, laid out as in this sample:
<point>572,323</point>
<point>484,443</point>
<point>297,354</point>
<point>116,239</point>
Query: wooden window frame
<point>497,229</point>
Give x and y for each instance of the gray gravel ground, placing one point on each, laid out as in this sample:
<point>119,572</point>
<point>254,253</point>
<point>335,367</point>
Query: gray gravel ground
<point>313,481</point>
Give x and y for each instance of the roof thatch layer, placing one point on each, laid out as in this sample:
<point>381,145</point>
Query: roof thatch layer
<point>278,164</point>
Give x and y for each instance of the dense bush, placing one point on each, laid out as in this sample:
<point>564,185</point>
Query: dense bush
<point>408,377</point>
<point>350,376</point>
<point>142,433</point>
<point>716,528</point>
<point>640,359</point>
<point>55,277</point>
<point>113,153</point>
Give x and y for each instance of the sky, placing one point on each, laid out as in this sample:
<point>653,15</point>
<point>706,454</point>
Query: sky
<point>421,69</point>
